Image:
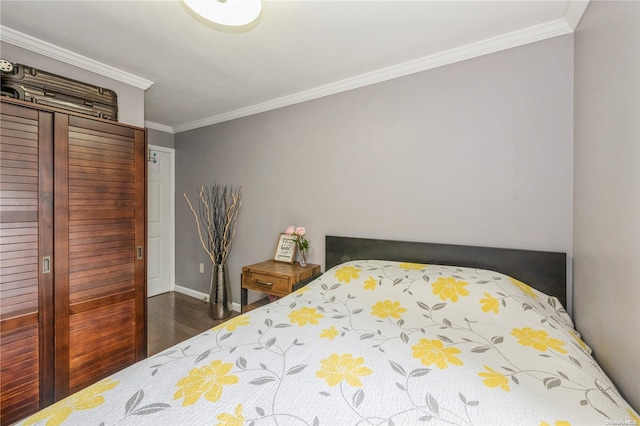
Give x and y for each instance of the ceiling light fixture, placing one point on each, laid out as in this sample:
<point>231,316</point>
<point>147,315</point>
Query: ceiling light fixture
<point>226,12</point>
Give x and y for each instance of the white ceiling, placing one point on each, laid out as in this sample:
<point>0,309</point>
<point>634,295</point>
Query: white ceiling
<point>202,73</point>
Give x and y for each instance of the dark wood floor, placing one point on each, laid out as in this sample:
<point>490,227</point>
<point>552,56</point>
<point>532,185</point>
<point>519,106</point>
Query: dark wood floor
<point>173,317</point>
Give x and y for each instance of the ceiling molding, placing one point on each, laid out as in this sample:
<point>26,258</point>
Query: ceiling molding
<point>574,11</point>
<point>494,44</point>
<point>33,44</point>
<point>565,25</point>
<point>159,127</point>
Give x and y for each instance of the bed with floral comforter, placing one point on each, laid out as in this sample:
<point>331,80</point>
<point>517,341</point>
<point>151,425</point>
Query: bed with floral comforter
<point>369,342</point>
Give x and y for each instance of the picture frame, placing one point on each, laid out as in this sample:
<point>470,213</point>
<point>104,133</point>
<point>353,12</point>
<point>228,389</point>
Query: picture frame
<point>286,249</point>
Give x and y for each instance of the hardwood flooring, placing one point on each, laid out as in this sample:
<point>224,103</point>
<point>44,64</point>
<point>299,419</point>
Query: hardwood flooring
<point>174,317</point>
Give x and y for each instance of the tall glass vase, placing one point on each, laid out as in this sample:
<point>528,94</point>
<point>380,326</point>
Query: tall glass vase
<point>219,292</point>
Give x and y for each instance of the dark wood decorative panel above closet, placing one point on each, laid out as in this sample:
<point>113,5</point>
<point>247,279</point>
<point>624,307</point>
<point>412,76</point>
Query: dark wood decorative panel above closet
<point>73,275</point>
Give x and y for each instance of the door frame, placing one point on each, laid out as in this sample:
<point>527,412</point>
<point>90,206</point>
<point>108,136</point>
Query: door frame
<point>172,210</point>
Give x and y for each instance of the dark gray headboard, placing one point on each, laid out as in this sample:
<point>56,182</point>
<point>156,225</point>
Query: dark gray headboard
<point>542,270</point>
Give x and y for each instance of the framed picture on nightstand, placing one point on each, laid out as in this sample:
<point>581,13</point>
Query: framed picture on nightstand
<point>286,249</point>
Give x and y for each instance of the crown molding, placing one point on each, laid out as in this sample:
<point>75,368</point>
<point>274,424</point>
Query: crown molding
<point>574,11</point>
<point>159,127</point>
<point>42,47</point>
<point>494,44</point>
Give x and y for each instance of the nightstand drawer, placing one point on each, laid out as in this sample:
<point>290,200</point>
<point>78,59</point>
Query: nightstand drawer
<point>265,283</point>
<point>275,279</point>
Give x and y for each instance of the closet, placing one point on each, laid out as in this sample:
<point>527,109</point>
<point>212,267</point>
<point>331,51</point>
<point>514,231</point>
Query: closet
<point>72,253</point>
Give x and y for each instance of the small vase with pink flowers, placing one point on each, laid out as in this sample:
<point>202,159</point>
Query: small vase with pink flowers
<point>301,241</point>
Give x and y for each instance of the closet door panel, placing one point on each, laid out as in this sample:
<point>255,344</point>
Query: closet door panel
<point>20,372</point>
<point>26,363</point>
<point>110,328</point>
<point>103,163</point>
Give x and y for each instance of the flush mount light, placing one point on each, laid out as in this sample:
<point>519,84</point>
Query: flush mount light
<point>226,12</point>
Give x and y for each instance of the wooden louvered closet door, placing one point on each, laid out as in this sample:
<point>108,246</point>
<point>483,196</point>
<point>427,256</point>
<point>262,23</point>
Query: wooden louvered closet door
<point>100,315</point>
<point>26,238</point>
<point>72,253</point>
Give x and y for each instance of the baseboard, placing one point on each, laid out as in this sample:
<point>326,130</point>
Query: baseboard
<point>202,296</point>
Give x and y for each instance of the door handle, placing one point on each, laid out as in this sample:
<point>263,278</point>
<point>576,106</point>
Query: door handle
<point>46,264</point>
<point>139,252</point>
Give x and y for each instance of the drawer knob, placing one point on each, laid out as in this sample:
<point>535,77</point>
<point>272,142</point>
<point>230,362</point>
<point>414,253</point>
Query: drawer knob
<point>264,283</point>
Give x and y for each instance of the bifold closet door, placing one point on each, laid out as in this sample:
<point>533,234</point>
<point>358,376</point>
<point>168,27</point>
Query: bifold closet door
<point>99,252</point>
<point>26,249</point>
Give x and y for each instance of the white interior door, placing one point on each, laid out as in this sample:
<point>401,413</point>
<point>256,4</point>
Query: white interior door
<point>160,234</point>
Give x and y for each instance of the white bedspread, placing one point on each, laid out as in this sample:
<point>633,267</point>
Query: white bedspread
<point>370,342</point>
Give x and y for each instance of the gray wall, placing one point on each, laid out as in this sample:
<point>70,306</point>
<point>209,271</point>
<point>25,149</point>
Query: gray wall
<point>158,138</point>
<point>478,152</point>
<point>606,240</point>
<point>130,98</point>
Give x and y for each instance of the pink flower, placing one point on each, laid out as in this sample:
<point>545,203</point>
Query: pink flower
<point>290,230</point>
<point>300,231</point>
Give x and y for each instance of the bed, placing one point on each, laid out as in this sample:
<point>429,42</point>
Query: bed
<point>392,333</point>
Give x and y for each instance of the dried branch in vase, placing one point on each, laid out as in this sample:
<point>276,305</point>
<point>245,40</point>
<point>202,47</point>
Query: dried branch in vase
<point>218,208</point>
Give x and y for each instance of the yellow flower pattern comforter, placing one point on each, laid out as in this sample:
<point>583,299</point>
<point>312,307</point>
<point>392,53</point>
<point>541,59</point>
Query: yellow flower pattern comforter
<point>369,342</point>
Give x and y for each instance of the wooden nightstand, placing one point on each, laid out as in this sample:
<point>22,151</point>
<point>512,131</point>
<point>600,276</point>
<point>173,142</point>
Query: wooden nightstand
<point>275,279</point>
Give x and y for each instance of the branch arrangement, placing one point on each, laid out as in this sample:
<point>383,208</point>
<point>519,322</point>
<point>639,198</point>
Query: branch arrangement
<point>218,208</point>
